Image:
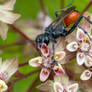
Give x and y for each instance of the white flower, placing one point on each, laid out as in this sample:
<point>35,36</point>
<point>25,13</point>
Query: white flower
<point>46,62</point>
<point>83,47</point>
<point>7,69</point>
<point>86,75</point>
<point>35,62</point>
<point>7,17</point>
<point>3,86</point>
<point>58,85</point>
<point>45,72</point>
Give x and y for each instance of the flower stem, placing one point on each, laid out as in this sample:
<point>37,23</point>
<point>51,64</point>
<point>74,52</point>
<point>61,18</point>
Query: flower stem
<point>23,77</point>
<point>62,4</point>
<point>33,84</point>
<point>87,7</point>
<point>18,74</point>
<point>14,44</point>
<point>23,64</point>
<point>21,33</point>
<point>43,7</point>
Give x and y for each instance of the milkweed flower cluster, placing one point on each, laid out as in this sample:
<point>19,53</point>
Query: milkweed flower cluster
<point>83,47</point>
<point>45,61</point>
<point>7,69</point>
<point>60,84</point>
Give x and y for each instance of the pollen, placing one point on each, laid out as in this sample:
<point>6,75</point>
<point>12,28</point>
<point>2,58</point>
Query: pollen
<point>79,43</point>
<point>59,68</point>
<point>1,86</point>
<point>86,39</point>
<point>58,56</point>
<point>37,61</point>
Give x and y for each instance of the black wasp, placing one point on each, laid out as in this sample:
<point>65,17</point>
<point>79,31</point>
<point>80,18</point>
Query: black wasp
<point>58,28</point>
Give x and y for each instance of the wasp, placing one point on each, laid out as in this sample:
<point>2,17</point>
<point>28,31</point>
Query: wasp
<point>58,28</point>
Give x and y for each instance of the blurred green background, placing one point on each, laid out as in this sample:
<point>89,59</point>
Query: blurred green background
<point>29,9</point>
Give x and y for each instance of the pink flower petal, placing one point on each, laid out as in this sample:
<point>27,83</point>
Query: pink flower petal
<point>45,50</point>
<point>35,62</point>
<point>58,70</point>
<point>58,87</point>
<point>84,46</point>
<point>86,75</point>
<point>45,72</point>
<point>88,61</point>
<point>47,63</point>
<point>80,35</point>
<point>90,50</point>
<point>73,46</point>
<point>59,55</point>
<point>73,87</point>
<point>80,58</point>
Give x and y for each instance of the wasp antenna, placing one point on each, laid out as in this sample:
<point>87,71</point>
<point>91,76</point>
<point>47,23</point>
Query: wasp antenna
<point>56,13</point>
<point>68,5</point>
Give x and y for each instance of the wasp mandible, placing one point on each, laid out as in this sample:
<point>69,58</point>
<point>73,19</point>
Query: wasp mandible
<point>58,28</point>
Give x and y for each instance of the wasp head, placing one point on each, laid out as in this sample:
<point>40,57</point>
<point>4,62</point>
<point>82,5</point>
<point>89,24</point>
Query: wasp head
<point>42,38</point>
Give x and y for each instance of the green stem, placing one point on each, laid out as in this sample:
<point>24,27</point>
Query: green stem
<point>87,7</point>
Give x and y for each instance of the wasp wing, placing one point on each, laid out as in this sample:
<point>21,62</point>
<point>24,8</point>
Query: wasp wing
<point>60,18</point>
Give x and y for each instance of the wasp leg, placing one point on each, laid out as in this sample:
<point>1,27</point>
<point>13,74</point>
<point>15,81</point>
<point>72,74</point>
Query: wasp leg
<point>53,56</point>
<point>39,52</point>
<point>76,24</point>
<point>53,49</point>
<point>56,13</point>
<point>85,32</point>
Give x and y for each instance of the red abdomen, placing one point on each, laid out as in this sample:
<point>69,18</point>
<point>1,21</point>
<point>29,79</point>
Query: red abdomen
<point>71,18</point>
